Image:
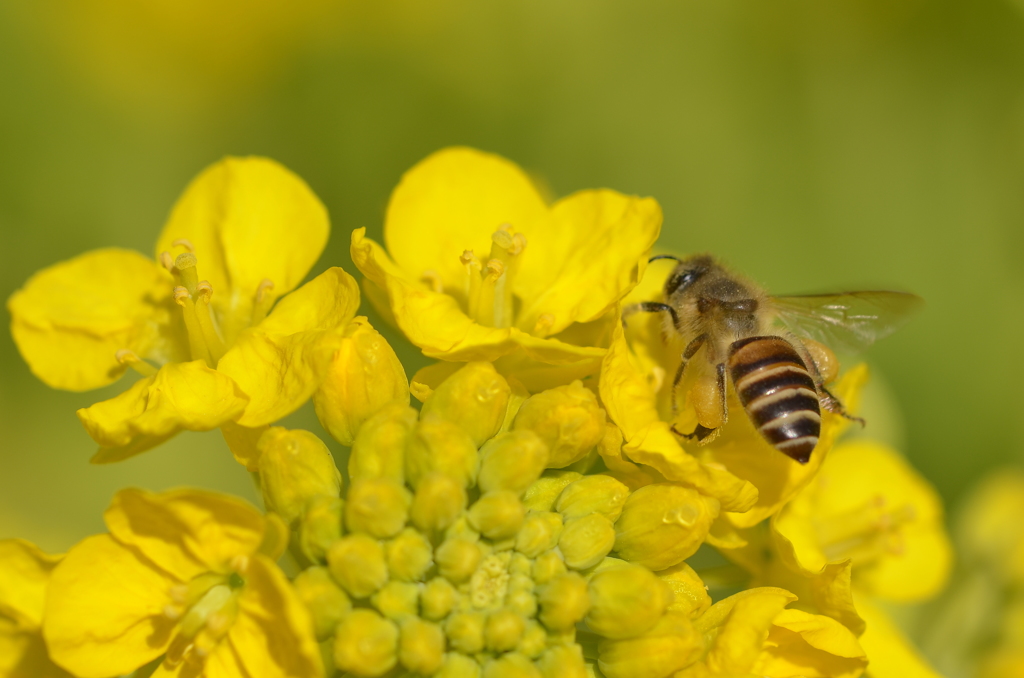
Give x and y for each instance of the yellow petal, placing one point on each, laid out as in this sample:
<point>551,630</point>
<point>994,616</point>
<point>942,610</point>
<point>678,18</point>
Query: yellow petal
<point>810,645</point>
<point>24,572</point>
<point>892,654</point>
<point>833,594</point>
<point>187,396</point>
<point>590,251</point>
<point>249,220</point>
<point>280,363</point>
<point>740,636</point>
<point>23,654</point>
<point>273,634</point>
<point>104,610</point>
<point>437,325</point>
<point>453,201</point>
<point>69,320</point>
<point>185,532</point>
<point>630,403</point>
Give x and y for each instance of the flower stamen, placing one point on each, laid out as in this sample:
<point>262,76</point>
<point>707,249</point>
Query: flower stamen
<point>129,358</point>
<point>866,532</point>
<point>263,301</point>
<point>184,243</point>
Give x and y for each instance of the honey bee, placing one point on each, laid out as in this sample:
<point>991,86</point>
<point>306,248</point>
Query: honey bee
<point>775,349</point>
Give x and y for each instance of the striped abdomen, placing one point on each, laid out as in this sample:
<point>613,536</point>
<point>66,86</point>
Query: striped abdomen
<point>778,394</point>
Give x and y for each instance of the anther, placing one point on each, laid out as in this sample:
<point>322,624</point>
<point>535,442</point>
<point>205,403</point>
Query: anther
<point>240,564</point>
<point>167,261</point>
<point>129,358</point>
<point>185,243</point>
<point>205,291</point>
<point>262,301</point>
<point>467,258</point>
<point>173,612</point>
<point>493,270</point>
<point>265,287</point>
<point>433,279</point>
<point>181,295</point>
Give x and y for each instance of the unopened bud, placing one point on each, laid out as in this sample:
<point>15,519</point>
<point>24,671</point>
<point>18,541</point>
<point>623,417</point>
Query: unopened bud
<point>409,555</point>
<point>543,493</point>
<point>320,526</point>
<point>663,524</point>
<point>564,601</point>
<point>364,376</point>
<point>379,448</point>
<point>295,466</point>
<point>438,502</point>
<point>567,418</point>
<point>421,646</point>
<point>458,666</point>
<point>397,600</point>
<point>457,559</point>
<point>689,594</point>
<point>378,507</point>
<point>512,461</point>
<point>626,601</point>
<point>366,644</point>
<point>465,631</point>
<point>592,494</point>
<point>547,566</point>
<point>534,640</point>
<point>439,446</point>
<point>563,661</point>
<point>522,602</point>
<point>474,398</point>
<point>326,602</point>
<point>539,533</point>
<point>503,630</point>
<point>438,598</point>
<point>585,541</point>
<point>672,644</point>
<point>497,515</point>
<point>511,665</point>
<point>357,563</point>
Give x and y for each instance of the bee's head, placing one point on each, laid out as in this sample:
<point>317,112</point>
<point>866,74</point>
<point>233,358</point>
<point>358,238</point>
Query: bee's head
<point>686,273</point>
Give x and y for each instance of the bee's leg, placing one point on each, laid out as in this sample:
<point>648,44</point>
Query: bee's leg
<point>649,307</point>
<point>702,432</point>
<point>825,398</point>
<point>688,353</point>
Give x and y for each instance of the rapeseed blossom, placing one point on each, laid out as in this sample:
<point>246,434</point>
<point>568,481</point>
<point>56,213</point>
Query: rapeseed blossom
<point>535,516</point>
<point>24,579</point>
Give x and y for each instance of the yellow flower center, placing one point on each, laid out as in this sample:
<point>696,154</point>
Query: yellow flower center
<point>205,608</point>
<point>488,289</point>
<point>865,533</point>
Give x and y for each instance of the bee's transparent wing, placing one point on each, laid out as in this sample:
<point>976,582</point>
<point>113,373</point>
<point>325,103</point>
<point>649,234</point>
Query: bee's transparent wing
<point>849,321</point>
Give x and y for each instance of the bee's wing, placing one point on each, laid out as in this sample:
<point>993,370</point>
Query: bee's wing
<point>848,321</point>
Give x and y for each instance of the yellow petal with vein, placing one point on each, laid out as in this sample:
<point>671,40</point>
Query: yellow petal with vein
<point>810,645</point>
<point>280,363</point>
<point>104,610</point>
<point>24,573</point>
<point>249,219</point>
<point>186,531</point>
<point>70,320</point>
<point>453,201</point>
<point>187,396</point>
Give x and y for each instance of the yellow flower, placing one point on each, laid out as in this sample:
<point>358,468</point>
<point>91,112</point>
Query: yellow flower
<point>180,575</point>
<point>478,266</point>
<point>196,326</point>
<point>24,576</point>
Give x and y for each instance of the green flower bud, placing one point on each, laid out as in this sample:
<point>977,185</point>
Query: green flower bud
<point>457,559</point>
<point>663,524</point>
<point>503,630</point>
<point>438,501</point>
<point>409,555</point>
<point>498,514</point>
<point>366,644</point>
<point>320,526</point>
<point>548,566</point>
<point>357,563</point>
<point>295,466</point>
<point>465,631</point>
<point>539,533</point>
<point>567,418</point>
<point>563,661</point>
<point>475,398</point>
<point>439,446</point>
<point>378,507</point>
<point>438,598</point>
<point>626,601</point>
<point>512,461</point>
<point>534,640</point>
<point>689,594</point>
<point>364,376</point>
<point>511,665</point>
<point>397,600</point>
<point>421,646</point>
<point>327,603</point>
<point>543,493</point>
<point>458,666</point>
<point>379,448</point>
<point>671,645</point>
<point>521,602</point>
<point>585,541</point>
<point>564,601</point>
<point>592,494</point>
<point>519,564</point>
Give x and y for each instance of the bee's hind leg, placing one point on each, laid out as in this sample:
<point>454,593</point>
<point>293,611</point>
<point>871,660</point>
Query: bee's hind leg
<point>835,406</point>
<point>703,433</point>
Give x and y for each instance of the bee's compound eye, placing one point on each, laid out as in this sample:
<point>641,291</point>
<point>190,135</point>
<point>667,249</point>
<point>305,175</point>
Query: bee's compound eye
<point>680,281</point>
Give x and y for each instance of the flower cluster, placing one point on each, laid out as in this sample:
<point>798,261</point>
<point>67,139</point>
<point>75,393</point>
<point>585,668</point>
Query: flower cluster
<point>532,516</point>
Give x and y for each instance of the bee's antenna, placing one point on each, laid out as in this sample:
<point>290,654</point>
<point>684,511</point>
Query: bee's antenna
<point>664,256</point>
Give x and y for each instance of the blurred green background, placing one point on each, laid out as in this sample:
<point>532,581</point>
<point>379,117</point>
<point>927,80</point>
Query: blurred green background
<point>851,144</point>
